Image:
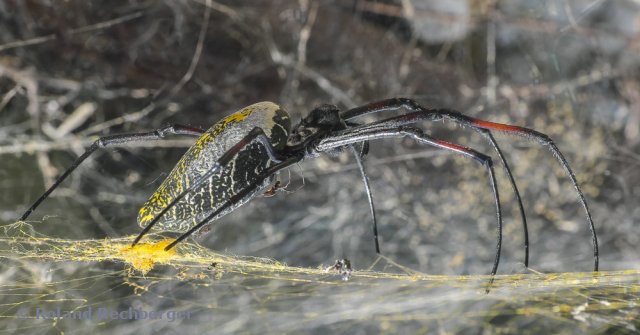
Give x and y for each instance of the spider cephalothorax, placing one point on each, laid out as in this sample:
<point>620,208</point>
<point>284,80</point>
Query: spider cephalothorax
<point>321,121</point>
<point>237,158</point>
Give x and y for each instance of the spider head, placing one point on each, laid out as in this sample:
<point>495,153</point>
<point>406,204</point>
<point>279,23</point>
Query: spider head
<point>320,121</point>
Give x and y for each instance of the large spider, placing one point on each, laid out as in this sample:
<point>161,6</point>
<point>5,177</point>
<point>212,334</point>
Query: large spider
<point>237,158</point>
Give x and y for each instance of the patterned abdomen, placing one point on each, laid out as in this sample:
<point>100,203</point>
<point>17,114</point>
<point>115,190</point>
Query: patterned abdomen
<point>240,172</point>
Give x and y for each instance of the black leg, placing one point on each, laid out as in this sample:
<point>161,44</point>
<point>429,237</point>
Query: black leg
<point>545,141</point>
<point>238,197</point>
<point>111,141</point>
<point>398,103</point>
<point>256,134</point>
<point>359,156</point>
<point>516,192</point>
<point>427,114</point>
<point>377,131</point>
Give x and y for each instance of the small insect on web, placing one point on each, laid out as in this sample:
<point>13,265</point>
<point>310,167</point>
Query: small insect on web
<point>343,267</point>
<point>238,157</point>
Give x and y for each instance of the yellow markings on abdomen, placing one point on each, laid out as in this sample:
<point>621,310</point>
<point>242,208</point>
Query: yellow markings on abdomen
<point>174,183</point>
<point>239,116</point>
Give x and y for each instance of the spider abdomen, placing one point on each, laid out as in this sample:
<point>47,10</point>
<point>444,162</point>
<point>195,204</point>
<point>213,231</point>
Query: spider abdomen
<point>241,170</point>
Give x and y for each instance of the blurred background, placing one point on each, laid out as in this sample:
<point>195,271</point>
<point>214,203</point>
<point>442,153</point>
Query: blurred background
<point>71,71</point>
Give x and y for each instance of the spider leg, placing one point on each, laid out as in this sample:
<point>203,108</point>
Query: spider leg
<point>364,150</point>
<point>238,197</point>
<point>255,134</point>
<point>365,180</point>
<point>514,187</point>
<point>428,114</point>
<point>542,139</point>
<point>359,156</point>
<point>114,141</point>
<point>379,131</point>
<point>398,103</point>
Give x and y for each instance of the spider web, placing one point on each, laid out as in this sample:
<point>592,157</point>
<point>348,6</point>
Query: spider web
<point>232,293</point>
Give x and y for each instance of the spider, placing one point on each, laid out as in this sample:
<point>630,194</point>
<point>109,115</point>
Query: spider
<point>238,157</point>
